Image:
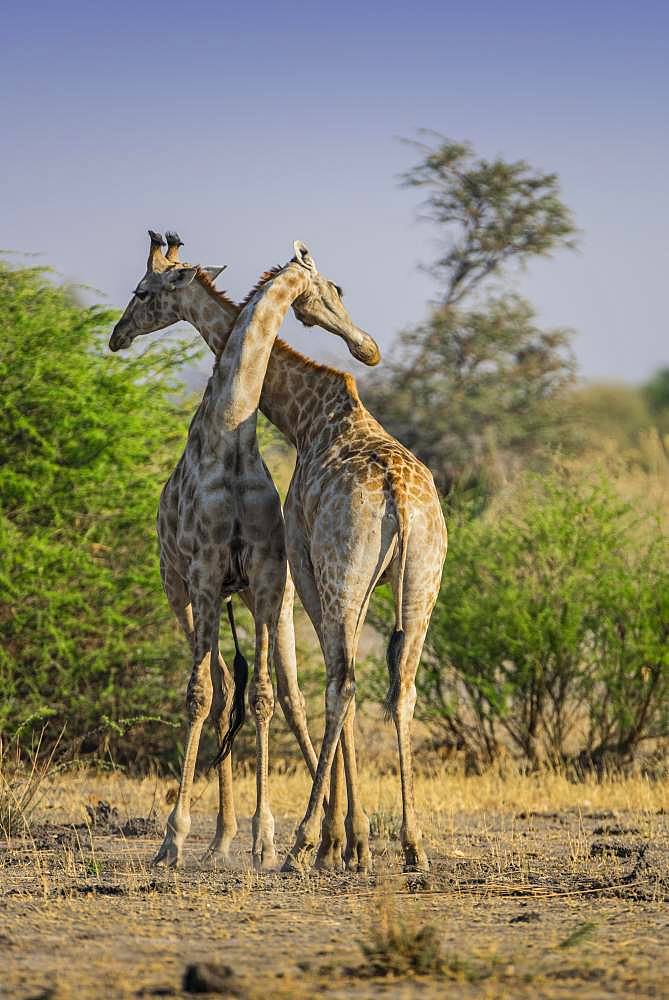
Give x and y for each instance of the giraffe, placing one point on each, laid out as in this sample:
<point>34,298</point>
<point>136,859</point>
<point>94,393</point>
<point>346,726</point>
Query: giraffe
<point>361,509</point>
<point>219,524</point>
<point>213,315</point>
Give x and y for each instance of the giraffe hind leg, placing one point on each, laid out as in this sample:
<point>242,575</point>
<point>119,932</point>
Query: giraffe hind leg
<point>419,592</point>
<point>339,640</point>
<point>289,694</point>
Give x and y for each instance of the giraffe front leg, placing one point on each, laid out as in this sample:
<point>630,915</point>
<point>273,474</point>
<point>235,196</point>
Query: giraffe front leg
<point>338,696</point>
<point>331,849</point>
<point>261,702</point>
<point>205,613</point>
<point>226,820</point>
<point>357,856</point>
<point>198,700</point>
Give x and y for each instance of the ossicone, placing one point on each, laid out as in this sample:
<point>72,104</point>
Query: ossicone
<point>174,241</point>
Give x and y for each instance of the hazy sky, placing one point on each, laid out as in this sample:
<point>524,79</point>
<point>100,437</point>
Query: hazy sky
<point>248,125</point>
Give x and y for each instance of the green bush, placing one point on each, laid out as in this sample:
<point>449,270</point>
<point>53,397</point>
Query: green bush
<point>550,633</point>
<point>86,441</point>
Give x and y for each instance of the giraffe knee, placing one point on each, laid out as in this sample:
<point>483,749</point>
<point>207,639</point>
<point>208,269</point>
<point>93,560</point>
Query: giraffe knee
<point>199,695</point>
<point>261,704</point>
<point>261,699</point>
<point>339,692</point>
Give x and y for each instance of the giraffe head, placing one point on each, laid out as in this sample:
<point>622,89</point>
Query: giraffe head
<point>320,304</point>
<point>160,296</point>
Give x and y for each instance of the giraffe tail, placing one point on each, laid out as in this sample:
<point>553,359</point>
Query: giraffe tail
<point>396,644</point>
<point>238,713</point>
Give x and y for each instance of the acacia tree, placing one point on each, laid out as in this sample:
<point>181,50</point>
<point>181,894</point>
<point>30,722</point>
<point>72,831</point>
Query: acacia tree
<point>490,212</point>
<point>479,381</point>
<point>476,392</point>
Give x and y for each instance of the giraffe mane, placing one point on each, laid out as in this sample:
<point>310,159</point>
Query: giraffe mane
<point>262,280</point>
<point>289,352</point>
<point>216,293</point>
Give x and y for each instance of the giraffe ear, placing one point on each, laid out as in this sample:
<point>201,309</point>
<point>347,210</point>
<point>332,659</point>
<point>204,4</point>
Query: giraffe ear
<point>213,272</point>
<point>303,257</point>
<point>179,277</point>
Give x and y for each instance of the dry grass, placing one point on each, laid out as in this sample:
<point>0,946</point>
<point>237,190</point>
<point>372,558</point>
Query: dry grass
<point>397,946</point>
<point>441,795</point>
<point>23,784</point>
<point>538,888</point>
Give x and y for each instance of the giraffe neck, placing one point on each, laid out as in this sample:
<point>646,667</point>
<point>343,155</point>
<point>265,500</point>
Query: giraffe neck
<point>240,369</point>
<point>303,398</point>
<point>298,395</point>
<point>211,312</point>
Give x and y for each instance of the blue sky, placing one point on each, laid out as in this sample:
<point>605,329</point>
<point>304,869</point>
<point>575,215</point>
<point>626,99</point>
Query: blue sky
<point>246,126</point>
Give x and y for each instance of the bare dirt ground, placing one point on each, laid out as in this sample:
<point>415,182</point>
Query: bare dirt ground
<point>539,888</point>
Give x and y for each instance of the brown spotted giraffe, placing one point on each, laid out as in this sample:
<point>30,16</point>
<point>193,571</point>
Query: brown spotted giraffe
<point>361,509</point>
<point>220,523</point>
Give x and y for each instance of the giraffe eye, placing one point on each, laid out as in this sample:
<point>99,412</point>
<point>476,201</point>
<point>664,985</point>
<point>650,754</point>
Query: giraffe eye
<point>141,295</point>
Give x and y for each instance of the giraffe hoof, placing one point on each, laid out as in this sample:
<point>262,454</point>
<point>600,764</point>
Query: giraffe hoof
<point>215,857</point>
<point>218,852</point>
<point>358,861</point>
<point>169,853</point>
<point>266,861</point>
<point>166,858</point>
<point>356,867</point>
<point>415,860</point>
<point>357,856</point>
<point>297,863</point>
<point>329,859</point>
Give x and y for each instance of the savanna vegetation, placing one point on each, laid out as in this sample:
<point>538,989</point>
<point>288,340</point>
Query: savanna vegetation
<point>547,661</point>
<point>86,440</point>
<point>549,640</point>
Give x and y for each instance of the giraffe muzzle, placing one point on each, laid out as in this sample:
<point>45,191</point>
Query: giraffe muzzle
<point>364,348</point>
<point>119,340</point>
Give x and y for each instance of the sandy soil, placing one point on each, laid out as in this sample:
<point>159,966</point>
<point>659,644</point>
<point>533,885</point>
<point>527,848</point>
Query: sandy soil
<point>535,891</point>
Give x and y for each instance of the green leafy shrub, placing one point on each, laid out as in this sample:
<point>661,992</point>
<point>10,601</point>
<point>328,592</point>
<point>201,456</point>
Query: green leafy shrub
<point>550,633</point>
<point>86,441</point>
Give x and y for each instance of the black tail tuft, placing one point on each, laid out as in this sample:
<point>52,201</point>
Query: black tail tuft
<point>238,713</point>
<point>393,655</point>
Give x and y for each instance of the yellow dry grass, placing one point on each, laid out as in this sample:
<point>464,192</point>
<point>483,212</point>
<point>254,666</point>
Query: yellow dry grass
<point>440,793</point>
<point>540,888</point>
